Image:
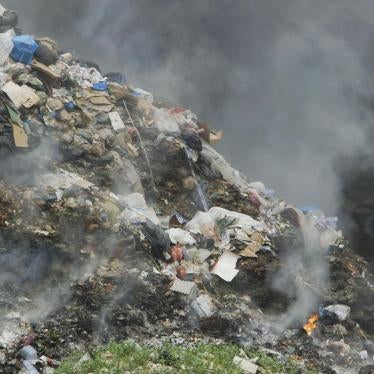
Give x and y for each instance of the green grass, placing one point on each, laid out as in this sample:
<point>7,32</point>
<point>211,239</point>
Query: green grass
<point>129,357</point>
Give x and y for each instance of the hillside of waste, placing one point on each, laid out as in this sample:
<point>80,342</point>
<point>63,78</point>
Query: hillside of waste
<point>119,220</point>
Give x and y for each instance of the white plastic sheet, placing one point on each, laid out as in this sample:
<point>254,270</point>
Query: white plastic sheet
<point>116,121</point>
<point>180,236</point>
<point>6,44</point>
<point>137,210</point>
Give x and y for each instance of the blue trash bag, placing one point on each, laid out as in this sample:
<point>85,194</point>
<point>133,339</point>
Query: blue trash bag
<point>69,106</point>
<point>24,49</point>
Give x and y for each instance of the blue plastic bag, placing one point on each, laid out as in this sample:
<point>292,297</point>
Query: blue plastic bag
<point>24,49</point>
<point>69,106</point>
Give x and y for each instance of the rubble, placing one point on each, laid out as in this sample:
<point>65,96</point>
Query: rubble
<point>203,306</point>
<point>118,219</point>
<point>245,365</point>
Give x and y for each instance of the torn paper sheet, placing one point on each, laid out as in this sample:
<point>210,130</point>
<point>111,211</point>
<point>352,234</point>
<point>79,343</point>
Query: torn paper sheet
<point>239,234</point>
<point>184,287</point>
<point>116,121</point>
<point>225,267</point>
<point>256,242</point>
<point>20,95</point>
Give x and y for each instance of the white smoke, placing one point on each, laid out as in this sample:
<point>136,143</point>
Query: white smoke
<point>281,78</point>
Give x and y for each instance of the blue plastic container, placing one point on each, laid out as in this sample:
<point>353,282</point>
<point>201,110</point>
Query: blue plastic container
<point>24,49</point>
<point>100,86</point>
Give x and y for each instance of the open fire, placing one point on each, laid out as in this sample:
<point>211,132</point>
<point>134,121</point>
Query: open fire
<point>311,324</point>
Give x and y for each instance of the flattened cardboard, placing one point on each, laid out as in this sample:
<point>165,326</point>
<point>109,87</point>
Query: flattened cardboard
<point>20,95</point>
<point>183,286</point>
<point>20,137</point>
<point>45,69</point>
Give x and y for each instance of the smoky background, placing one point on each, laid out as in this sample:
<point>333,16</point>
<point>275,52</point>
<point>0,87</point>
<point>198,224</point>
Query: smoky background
<point>282,79</point>
<point>289,83</point>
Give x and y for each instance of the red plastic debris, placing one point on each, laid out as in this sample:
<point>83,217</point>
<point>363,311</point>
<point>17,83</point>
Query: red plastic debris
<point>177,252</point>
<point>181,272</point>
<point>28,340</point>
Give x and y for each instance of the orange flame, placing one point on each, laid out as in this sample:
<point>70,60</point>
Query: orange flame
<point>311,324</point>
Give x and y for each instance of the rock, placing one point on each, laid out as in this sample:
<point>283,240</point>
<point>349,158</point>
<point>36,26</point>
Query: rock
<point>341,311</point>
<point>338,330</point>
<point>338,347</point>
<point>364,355</point>
<point>245,365</point>
<point>65,116</point>
<point>55,104</point>
<point>369,345</point>
<point>369,369</point>
<point>203,306</point>
<point>111,210</point>
<point>189,183</point>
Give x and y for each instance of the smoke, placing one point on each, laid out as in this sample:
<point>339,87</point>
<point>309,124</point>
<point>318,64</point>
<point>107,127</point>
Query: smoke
<point>281,79</point>
<point>303,276</point>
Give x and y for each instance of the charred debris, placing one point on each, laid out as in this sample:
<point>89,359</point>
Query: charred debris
<point>118,220</point>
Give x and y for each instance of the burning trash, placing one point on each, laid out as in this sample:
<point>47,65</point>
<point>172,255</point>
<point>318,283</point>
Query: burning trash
<point>92,173</point>
<point>310,326</point>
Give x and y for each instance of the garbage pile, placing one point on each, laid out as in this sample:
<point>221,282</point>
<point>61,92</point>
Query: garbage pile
<point>119,219</point>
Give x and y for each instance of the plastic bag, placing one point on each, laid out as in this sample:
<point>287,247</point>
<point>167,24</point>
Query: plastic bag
<point>164,121</point>
<point>6,45</point>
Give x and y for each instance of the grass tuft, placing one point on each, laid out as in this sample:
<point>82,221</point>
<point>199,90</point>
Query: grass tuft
<point>130,357</point>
